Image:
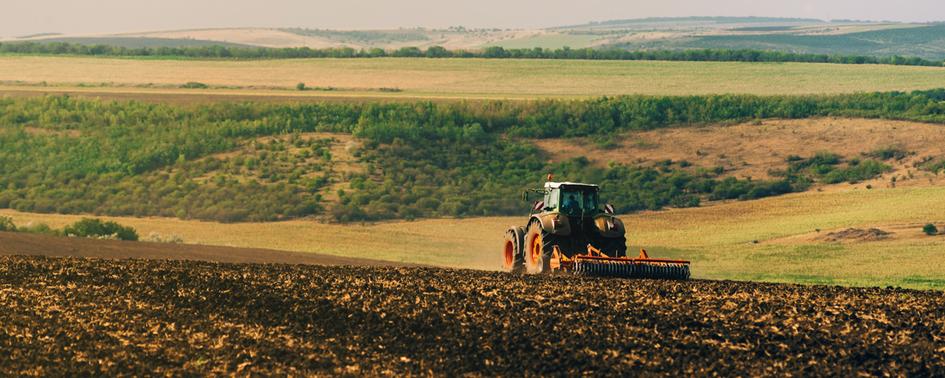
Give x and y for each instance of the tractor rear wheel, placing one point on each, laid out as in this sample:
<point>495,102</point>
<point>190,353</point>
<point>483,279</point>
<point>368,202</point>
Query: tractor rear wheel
<point>539,248</point>
<point>513,253</point>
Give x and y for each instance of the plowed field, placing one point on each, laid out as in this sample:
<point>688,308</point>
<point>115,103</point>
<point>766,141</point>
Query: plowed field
<point>112,317</point>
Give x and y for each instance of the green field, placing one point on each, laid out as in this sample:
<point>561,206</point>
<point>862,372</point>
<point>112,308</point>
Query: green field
<point>467,78</point>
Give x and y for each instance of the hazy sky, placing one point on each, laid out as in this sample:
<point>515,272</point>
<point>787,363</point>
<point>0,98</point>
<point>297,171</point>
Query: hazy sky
<point>20,17</point>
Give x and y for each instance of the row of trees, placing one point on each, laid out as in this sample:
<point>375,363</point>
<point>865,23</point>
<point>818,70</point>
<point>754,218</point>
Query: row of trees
<point>68,155</point>
<point>493,52</point>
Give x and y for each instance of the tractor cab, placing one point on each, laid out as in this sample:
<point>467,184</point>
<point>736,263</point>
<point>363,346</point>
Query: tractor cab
<point>571,198</point>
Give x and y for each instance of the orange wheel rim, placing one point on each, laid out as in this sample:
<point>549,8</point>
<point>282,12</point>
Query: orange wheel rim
<point>536,249</point>
<point>509,253</point>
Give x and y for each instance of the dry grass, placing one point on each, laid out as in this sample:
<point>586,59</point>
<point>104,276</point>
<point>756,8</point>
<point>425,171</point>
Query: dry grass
<point>467,243</point>
<point>471,78</point>
<point>752,149</point>
<point>774,239</point>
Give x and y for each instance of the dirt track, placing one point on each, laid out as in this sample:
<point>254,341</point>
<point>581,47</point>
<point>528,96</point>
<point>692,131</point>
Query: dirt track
<point>109,317</point>
<point>23,244</point>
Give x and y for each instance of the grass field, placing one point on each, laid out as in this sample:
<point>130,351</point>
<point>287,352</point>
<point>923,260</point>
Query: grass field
<point>464,78</point>
<point>774,239</point>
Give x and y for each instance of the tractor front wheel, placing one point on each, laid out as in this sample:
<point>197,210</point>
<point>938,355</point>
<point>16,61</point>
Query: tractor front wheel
<point>539,248</point>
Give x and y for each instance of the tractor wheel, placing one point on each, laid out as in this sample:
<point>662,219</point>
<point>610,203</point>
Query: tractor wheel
<point>512,251</point>
<point>539,247</point>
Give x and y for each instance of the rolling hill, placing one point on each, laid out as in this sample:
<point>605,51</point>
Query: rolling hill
<point>762,33</point>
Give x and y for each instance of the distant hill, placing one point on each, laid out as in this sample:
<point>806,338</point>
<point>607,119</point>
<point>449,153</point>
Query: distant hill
<point>797,35</point>
<point>884,40</point>
<point>37,35</point>
<point>139,42</point>
<point>672,22</point>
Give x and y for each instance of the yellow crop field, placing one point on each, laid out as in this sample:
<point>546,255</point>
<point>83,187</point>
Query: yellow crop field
<point>456,78</point>
<point>774,239</point>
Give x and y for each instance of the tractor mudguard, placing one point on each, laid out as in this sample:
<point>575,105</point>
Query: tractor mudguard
<point>555,223</point>
<point>610,226</point>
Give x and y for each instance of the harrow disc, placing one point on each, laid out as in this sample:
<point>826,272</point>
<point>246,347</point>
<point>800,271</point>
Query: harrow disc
<point>631,269</point>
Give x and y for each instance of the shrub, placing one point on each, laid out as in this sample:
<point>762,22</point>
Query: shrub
<point>300,86</point>
<point>95,228</point>
<point>6,224</point>
<point>606,142</point>
<point>39,228</point>
<point>888,153</point>
<point>930,229</point>
<point>857,172</point>
<point>933,165</point>
<point>195,85</point>
<point>731,188</point>
<point>685,201</point>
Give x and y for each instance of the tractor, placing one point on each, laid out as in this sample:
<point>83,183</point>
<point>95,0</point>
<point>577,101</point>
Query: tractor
<point>569,231</point>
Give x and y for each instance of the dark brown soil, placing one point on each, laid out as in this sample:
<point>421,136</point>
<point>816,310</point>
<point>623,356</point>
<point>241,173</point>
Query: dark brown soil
<point>134,317</point>
<point>857,234</point>
<point>22,244</point>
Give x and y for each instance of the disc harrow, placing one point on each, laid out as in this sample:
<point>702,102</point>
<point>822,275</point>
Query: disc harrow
<point>631,269</point>
<point>597,264</point>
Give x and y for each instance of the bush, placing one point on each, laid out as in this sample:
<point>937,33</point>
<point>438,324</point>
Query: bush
<point>195,85</point>
<point>39,228</point>
<point>6,224</point>
<point>930,229</point>
<point>933,165</point>
<point>888,153</point>
<point>606,142</point>
<point>95,228</point>
<point>857,172</point>
<point>300,86</point>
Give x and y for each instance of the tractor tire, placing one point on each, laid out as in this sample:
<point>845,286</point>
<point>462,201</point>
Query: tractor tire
<point>539,249</point>
<point>513,250</point>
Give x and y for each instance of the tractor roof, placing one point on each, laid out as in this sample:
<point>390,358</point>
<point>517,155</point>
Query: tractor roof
<point>556,185</point>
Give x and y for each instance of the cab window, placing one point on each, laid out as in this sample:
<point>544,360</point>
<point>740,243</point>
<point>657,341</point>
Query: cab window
<point>551,199</point>
<point>576,201</point>
<point>590,201</point>
<point>572,201</point>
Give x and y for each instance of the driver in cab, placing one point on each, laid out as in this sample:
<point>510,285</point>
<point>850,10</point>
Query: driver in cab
<point>571,204</point>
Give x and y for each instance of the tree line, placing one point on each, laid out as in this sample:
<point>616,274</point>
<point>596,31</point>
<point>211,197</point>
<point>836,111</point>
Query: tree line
<point>492,52</point>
